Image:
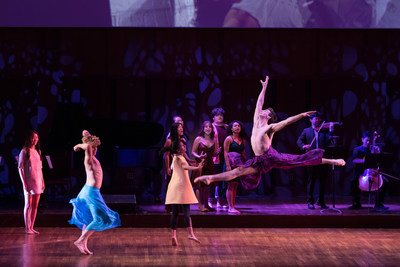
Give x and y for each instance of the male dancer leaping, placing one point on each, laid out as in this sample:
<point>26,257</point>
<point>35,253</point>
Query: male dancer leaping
<point>267,157</point>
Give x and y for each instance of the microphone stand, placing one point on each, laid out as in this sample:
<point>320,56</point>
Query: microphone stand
<point>333,191</point>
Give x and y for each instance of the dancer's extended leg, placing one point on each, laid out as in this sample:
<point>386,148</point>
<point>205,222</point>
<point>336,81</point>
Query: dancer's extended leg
<point>226,176</point>
<point>337,162</point>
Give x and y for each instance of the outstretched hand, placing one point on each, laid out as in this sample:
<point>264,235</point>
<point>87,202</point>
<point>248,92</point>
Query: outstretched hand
<point>201,164</point>
<point>308,113</point>
<point>203,155</point>
<point>264,83</point>
<point>76,148</point>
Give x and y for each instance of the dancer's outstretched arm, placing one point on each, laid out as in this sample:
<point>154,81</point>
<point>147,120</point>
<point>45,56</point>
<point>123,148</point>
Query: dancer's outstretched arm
<point>187,167</point>
<point>260,102</point>
<point>88,152</point>
<point>274,127</point>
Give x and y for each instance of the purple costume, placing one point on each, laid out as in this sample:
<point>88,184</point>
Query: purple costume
<point>272,159</point>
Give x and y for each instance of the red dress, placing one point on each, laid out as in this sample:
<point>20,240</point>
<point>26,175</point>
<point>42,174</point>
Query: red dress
<point>208,167</point>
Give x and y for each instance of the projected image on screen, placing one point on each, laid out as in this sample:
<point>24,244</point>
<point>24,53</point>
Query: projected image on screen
<point>256,13</point>
<point>202,13</point>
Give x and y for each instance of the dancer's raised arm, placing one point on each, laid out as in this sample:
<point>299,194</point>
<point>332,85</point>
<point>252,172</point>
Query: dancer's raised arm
<point>88,152</point>
<point>260,102</point>
<point>282,124</point>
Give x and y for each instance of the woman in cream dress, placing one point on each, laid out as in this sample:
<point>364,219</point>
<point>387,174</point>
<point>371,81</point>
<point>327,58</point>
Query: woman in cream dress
<point>180,191</point>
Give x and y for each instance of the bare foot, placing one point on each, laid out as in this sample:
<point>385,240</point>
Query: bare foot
<point>174,241</point>
<point>81,247</point>
<point>339,162</point>
<point>233,210</point>
<point>203,179</point>
<point>88,251</point>
<point>86,248</point>
<point>29,232</point>
<point>35,232</point>
<point>192,237</point>
<point>203,209</point>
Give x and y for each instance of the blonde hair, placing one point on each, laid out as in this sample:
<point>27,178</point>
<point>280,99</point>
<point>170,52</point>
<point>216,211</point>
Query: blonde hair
<point>92,140</point>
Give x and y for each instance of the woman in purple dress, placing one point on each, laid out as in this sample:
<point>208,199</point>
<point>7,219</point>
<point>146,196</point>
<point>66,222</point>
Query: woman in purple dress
<point>234,146</point>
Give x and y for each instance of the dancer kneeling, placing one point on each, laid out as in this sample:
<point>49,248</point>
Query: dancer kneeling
<point>267,157</point>
<point>90,212</point>
<point>180,191</point>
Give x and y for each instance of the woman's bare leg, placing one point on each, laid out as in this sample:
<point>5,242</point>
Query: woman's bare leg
<point>235,194</point>
<point>173,239</point>
<point>337,162</point>
<point>206,195</point>
<point>81,243</point>
<point>27,212</point>
<point>35,203</point>
<point>191,235</point>
<point>226,176</point>
<point>231,195</point>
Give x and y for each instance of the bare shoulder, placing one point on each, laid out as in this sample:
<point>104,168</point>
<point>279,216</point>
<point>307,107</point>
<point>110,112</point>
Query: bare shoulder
<point>168,142</point>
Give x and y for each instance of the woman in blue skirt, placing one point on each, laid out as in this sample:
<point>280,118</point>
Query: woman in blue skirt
<point>90,212</point>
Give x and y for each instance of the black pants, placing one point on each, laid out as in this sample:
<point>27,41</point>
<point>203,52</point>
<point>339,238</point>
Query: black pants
<point>319,172</point>
<point>355,190</point>
<point>175,212</point>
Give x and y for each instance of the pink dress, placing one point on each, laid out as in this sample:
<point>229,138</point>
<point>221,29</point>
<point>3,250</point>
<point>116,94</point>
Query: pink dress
<point>32,170</point>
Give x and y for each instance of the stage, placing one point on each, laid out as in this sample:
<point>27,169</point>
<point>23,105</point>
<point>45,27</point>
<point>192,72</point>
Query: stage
<point>256,212</point>
<point>269,231</point>
<point>125,246</point>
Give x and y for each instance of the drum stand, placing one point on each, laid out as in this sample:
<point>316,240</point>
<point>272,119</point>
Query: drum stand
<point>333,195</point>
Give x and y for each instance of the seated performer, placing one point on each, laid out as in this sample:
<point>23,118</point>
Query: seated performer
<point>267,157</point>
<point>90,212</point>
<point>359,153</point>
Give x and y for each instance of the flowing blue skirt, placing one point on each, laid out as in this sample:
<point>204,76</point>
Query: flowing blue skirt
<point>91,211</point>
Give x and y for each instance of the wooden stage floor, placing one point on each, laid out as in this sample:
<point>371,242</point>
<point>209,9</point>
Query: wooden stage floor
<point>219,247</point>
<point>256,212</point>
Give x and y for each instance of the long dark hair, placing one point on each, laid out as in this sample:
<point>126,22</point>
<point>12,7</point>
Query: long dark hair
<point>176,145</point>
<point>174,135</point>
<point>203,134</point>
<point>28,144</point>
<point>242,133</point>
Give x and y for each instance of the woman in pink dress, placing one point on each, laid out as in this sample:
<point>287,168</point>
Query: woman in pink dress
<point>30,171</point>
